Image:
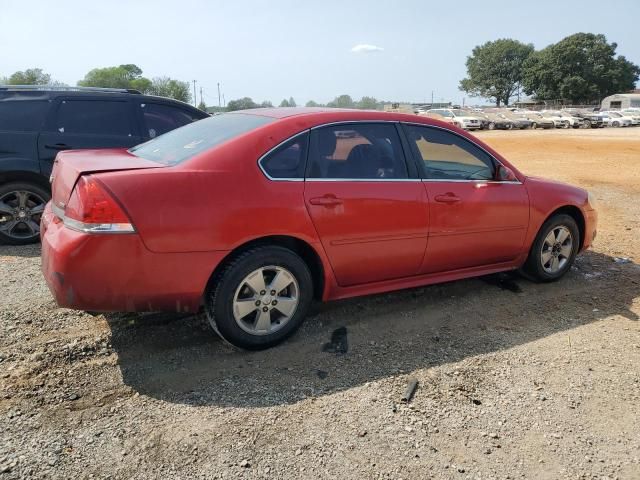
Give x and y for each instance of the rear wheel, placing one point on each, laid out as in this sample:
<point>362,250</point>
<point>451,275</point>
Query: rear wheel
<point>492,126</point>
<point>21,207</point>
<point>554,249</point>
<point>259,298</point>
<point>534,125</point>
<point>615,124</point>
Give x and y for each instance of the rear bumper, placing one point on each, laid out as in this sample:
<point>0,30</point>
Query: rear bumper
<point>116,272</point>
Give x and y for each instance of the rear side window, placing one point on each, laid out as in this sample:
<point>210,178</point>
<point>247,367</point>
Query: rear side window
<point>356,152</point>
<point>22,115</point>
<point>183,143</point>
<point>288,160</point>
<point>97,117</point>
<point>159,119</point>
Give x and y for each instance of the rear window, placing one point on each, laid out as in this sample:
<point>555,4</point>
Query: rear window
<point>183,143</point>
<point>94,117</point>
<point>22,116</point>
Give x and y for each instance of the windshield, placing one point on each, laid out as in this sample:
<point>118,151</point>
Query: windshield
<point>183,143</point>
<point>461,113</point>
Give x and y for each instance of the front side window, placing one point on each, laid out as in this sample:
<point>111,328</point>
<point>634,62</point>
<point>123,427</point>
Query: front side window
<point>358,151</point>
<point>159,118</point>
<point>447,156</point>
<point>288,160</point>
<point>97,117</point>
<point>183,143</point>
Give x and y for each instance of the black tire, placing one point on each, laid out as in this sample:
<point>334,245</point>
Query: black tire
<point>492,126</point>
<point>534,125</point>
<point>16,229</point>
<point>534,266</point>
<point>220,293</point>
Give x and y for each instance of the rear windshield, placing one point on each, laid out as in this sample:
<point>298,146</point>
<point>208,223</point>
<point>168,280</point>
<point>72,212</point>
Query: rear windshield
<point>185,142</point>
<point>22,115</point>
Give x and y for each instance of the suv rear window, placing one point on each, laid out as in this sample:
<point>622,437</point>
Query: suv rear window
<point>185,142</point>
<point>22,115</point>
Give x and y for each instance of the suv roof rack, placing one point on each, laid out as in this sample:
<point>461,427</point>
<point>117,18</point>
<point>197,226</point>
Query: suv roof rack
<point>68,89</point>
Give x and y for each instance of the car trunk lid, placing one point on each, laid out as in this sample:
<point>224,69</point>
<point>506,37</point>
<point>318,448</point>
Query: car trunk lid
<point>70,165</point>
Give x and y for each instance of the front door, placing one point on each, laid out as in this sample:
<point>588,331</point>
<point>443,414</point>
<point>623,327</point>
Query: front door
<point>372,219</point>
<point>475,220</point>
<point>87,123</point>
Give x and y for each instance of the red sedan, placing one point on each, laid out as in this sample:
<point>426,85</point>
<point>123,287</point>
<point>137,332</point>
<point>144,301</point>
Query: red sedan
<point>254,214</point>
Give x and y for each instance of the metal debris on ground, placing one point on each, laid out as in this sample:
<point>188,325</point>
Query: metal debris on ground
<point>411,388</point>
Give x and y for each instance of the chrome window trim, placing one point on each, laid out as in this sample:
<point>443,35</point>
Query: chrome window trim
<point>347,122</point>
<point>271,150</point>
<point>363,180</point>
<point>473,143</point>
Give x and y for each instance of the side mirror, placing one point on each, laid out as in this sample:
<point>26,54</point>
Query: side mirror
<point>505,174</point>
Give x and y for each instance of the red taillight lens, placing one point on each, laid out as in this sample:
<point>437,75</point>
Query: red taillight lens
<point>92,208</point>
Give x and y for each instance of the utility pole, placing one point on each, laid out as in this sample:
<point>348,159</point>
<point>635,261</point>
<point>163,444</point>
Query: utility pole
<point>195,99</point>
<point>224,101</point>
<point>219,104</point>
<point>431,98</point>
<point>201,99</point>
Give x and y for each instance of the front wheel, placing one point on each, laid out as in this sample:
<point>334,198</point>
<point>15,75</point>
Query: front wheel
<point>534,125</point>
<point>21,207</point>
<point>259,298</point>
<point>554,249</point>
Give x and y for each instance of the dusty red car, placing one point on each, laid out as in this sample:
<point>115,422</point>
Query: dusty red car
<point>254,214</point>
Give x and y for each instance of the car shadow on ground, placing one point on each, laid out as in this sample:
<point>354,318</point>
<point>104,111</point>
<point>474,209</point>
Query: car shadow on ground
<point>348,343</point>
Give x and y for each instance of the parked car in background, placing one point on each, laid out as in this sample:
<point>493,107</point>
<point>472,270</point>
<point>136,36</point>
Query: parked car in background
<point>633,116</point>
<point>459,118</point>
<point>253,214</point>
<point>570,120</point>
<point>518,122</point>
<point>38,122</point>
<point>537,120</point>
<point>590,119</point>
<point>616,119</point>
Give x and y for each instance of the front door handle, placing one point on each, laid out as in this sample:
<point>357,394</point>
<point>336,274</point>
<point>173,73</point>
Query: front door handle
<point>447,198</point>
<point>326,201</point>
<point>58,146</point>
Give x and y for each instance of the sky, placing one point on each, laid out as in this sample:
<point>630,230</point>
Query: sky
<point>400,50</point>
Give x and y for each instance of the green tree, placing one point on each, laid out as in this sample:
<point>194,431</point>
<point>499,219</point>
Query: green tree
<point>170,88</point>
<point>311,103</point>
<point>343,101</point>
<point>284,103</point>
<point>241,104</point>
<point>30,76</point>
<point>580,68</point>
<point>292,102</point>
<point>266,104</point>
<point>122,76</point>
<point>202,106</point>
<point>367,103</point>
<point>494,69</point>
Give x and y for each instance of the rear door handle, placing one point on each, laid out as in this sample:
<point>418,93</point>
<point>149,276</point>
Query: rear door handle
<point>58,146</point>
<point>447,198</point>
<point>326,201</point>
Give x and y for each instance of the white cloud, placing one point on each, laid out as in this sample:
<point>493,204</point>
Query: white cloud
<point>366,48</point>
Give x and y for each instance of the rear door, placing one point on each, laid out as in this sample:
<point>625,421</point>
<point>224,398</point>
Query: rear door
<point>371,217</point>
<point>87,122</point>
<point>475,220</point>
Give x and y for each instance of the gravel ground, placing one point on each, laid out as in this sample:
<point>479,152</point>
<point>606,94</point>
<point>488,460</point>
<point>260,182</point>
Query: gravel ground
<point>515,379</point>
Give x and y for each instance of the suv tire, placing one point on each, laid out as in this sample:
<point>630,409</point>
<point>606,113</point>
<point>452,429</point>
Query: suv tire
<point>21,207</point>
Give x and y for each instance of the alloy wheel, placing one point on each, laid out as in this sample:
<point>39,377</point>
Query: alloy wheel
<point>556,249</point>
<point>266,300</point>
<point>20,213</point>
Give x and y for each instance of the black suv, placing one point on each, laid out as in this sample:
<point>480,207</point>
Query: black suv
<point>37,122</point>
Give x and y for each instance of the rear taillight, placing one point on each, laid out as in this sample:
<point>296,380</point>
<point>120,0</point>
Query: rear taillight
<point>91,208</point>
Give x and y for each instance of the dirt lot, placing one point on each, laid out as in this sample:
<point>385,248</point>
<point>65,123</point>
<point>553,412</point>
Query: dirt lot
<point>516,380</point>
